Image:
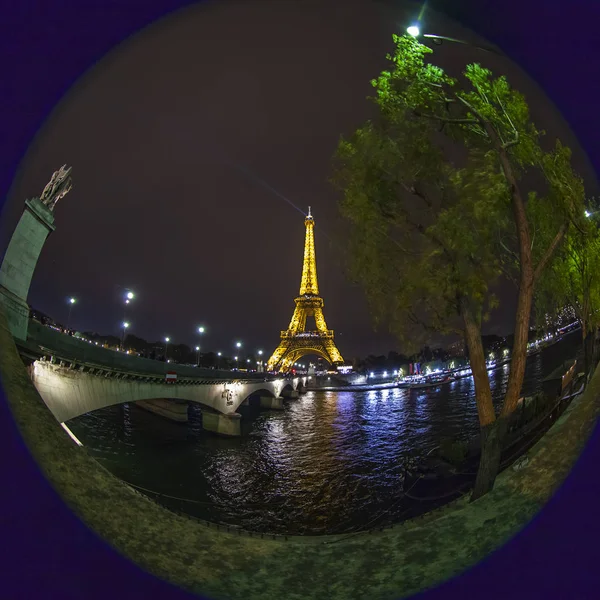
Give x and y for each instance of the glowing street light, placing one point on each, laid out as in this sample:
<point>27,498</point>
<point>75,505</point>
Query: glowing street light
<point>125,326</point>
<point>238,344</point>
<point>413,30</point>
<point>201,330</point>
<point>197,356</point>
<point>71,302</point>
<point>236,361</point>
<point>167,340</point>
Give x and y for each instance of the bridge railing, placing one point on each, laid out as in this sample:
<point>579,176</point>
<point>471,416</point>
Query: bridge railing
<point>49,341</point>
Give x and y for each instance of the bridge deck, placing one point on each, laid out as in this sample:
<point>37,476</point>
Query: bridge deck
<point>45,341</point>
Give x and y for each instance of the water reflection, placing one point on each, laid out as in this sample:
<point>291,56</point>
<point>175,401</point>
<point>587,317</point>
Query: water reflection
<point>329,462</point>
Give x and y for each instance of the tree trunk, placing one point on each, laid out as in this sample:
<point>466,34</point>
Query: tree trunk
<point>490,442</point>
<point>483,393</point>
<point>492,437</point>
<point>519,351</point>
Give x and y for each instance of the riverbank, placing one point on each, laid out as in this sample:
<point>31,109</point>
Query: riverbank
<point>396,562</point>
<point>456,373</point>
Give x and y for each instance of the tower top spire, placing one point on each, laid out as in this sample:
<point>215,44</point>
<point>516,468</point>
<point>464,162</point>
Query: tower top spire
<point>308,283</point>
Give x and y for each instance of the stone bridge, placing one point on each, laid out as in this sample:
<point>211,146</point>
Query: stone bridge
<point>72,389</point>
<point>75,377</point>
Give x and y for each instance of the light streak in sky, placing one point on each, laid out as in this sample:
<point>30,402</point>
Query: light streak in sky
<point>262,182</point>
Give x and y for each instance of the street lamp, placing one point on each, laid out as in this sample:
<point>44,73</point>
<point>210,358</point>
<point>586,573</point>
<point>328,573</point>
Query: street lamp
<point>125,326</point>
<point>218,357</point>
<point>71,302</point>
<point>236,361</point>
<point>260,362</point>
<point>197,356</point>
<point>167,340</point>
<point>415,31</point>
<point>129,296</point>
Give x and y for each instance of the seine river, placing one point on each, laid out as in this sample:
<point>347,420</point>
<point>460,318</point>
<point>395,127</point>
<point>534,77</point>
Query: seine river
<point>331,462</point>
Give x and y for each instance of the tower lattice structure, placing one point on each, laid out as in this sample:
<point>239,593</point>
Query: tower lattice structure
<point>296,341</point>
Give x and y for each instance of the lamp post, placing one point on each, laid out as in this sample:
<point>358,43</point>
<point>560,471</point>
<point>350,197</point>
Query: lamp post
<point>125,326</point>
<point>167,340</point>
<point>197,356</point>
<point>260,361</point>
<point>129,296</point>
<point>71,302</point>
<point>415,31</point>
<point>218,361</point>
<point>238,345</point>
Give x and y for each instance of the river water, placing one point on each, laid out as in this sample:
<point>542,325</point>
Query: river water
<point>329,463</point>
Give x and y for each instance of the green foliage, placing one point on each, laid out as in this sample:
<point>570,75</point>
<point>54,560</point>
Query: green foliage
<point>572,278</point>
<point>428,198</point>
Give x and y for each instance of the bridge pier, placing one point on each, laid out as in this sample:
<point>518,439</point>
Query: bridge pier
<point>290,394</point>
<point>271,403</point>
<point>222,424</point>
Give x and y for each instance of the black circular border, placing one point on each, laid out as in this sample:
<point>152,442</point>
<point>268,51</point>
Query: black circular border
<point>47,551</point>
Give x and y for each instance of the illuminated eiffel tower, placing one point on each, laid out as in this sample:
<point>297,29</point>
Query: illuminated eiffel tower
<point>296,341</point>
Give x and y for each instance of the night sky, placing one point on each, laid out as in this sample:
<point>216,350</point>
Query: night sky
<point>191,143</point>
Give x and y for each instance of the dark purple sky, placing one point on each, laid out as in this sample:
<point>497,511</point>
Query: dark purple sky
<point>162,135</point>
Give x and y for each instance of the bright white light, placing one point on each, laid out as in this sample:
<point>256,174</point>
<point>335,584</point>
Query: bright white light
<point>235,357</point>
<point>167,340</point>
<point>395,373</point>
<point>130,295</point>
<point>72,300</point>
<point>200,329</point>
<point>126,301</point>
<point>197,348</point>
<point>413,30</point>
<point>247,360</point>
<point>371,374</point>
<point>218,354</point>
<point>385,374</point>
<point>260,352</point>
<point>587,213</point>
<point>125,325</point>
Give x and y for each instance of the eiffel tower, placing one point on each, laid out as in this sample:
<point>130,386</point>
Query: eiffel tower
<point>296,341</point>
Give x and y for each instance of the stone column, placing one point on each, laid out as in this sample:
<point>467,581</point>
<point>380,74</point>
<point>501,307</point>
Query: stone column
<point>290,394</point>
<point>222,424</point>
<point>271,403</point>
<point>21,257</point>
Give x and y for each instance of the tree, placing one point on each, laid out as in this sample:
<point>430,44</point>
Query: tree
<point>439,205</point>
<point>572,281</point>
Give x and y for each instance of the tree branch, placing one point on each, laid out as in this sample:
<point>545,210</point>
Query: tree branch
<point>443,119</point>
<point>560,234</point>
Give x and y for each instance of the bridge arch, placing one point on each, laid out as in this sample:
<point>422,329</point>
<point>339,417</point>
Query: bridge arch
<point>69,391</point>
